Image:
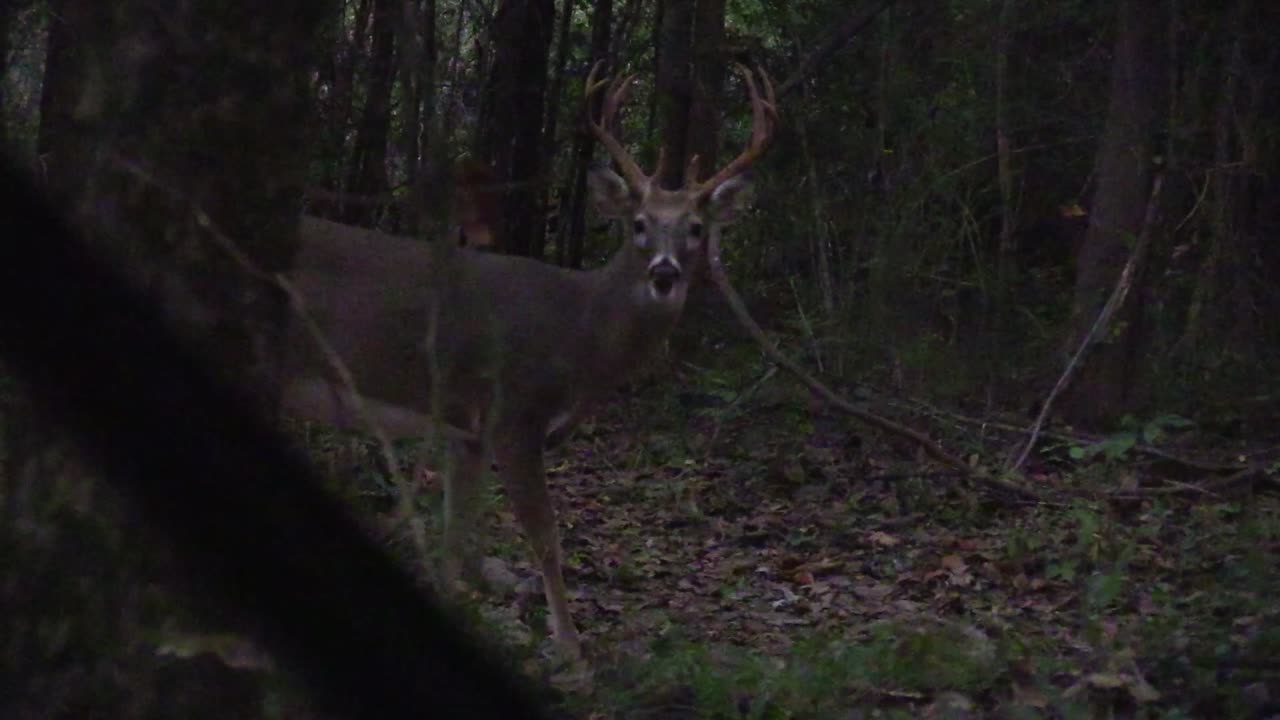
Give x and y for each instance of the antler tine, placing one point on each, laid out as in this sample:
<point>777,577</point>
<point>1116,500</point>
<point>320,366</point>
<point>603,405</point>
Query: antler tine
<point>770,102</point>
<point>691,171</point>
<point>660,165</point>
<point>764,119</point>
<point>614,96</point>
<point>592,85</point>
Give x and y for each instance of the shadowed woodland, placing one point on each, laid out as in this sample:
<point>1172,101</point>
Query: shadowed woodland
<point>970,410</point>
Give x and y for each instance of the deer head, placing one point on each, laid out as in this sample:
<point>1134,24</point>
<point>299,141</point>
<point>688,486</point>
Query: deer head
<point>666,231</point>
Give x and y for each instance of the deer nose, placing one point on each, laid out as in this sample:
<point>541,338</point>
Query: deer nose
<point>663,276</point>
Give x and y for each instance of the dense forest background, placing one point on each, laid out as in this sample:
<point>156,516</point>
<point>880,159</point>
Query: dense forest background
<point>956,192</point>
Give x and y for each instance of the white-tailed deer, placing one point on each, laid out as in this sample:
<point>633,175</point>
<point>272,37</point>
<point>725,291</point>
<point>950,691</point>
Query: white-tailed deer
<point>515,351</point>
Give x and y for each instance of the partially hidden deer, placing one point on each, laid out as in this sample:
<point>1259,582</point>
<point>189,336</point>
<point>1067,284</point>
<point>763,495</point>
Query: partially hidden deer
<point>510,350</point>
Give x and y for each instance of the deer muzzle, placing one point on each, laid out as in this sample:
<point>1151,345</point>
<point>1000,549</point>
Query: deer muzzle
<point>663,275</point>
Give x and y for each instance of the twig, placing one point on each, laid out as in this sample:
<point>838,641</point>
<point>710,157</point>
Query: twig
<point>808,327</point>
<point>721,279</point>
<point>737,400</point>
<point>1241,477</point>
<point>844,32</point>
<point>1118,295</point>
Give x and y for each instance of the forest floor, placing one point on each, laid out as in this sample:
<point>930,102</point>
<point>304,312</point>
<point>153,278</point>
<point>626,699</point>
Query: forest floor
<point>750,557</point>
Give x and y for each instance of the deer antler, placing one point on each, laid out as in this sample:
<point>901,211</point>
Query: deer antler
<point>764,121</point>
<point>613,99</point>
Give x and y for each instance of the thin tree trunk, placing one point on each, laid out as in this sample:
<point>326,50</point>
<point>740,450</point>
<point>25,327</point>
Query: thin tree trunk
<point>574,227</point>
<point>1004,160</point>
<point>821,242</point>
<point>454,75</point>
<point>659,17</point>
<point>512,138</point>
<point>368,170</point>
<point>675,87</point>
<point>555,99</point>
<point>626,19</point>
<point>430,63</point>
<point>409,38</point>
<point>703,137</point>
<point>337,71</point>
<point>555,95</point>
<point>417,80</point>
<point>8,11</point>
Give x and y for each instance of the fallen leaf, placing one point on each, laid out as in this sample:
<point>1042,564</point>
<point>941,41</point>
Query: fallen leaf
<point>883,539</point>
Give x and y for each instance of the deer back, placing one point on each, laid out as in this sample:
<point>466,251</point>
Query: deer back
<point>533,342</point>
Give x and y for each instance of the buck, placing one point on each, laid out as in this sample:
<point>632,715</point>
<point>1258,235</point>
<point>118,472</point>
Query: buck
<point>512,351</point>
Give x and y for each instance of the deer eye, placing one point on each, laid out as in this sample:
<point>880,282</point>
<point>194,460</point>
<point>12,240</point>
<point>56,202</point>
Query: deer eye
<point>695,230</point>
<point>638,227</point>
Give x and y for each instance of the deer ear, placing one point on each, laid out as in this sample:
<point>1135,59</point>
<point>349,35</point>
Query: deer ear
<point>610,194</point>
<point>729,200</point>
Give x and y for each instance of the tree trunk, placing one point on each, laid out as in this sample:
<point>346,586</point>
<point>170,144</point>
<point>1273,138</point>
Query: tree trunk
<point>336,74</point>
<point>453,75</point>
<point>555,101</point>
<point>703,137</point>
<point>430,63</point>
<point>573,229</point>
<point>8,12</point>
<point>417,81</point>
<point>367,173</point>
<point>146,151</point>
<point>1124,171</point>
<point>1004,163</point>
<point>821,241</point>
<point>555,95</point>
<point>674,87</point>
<point>655,40</point>
<point>629,16</point>
<point>409,38</point>
<point>511,121</point>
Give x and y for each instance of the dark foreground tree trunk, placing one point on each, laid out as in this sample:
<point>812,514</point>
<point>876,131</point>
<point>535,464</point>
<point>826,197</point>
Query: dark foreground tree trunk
<point>165,133</point>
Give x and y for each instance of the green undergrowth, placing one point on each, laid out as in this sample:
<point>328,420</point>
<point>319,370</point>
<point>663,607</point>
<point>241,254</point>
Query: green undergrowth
<point>894,662</point>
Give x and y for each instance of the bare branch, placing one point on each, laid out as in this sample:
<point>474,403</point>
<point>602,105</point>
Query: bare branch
<point>721,279</point>
<point>857,21</point>
<point>1118,295</point>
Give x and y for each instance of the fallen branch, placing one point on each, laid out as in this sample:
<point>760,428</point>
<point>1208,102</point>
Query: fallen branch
<point>1203,466</point>
<point>1244,476</point>
<point>721,279</point>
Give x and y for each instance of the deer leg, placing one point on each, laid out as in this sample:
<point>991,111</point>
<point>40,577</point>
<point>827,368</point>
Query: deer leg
<point>461,486</point>
<point>526,485</point>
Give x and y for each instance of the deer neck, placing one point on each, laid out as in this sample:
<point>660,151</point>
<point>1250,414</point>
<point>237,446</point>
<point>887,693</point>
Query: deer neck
<point>629,324</point>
